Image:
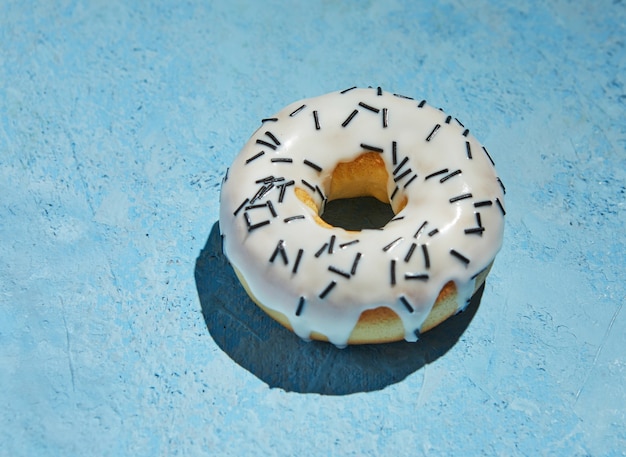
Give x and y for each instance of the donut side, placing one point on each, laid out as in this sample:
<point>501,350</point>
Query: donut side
<point>382,325</point>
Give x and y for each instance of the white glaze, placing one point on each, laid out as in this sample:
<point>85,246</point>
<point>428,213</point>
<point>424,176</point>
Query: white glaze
<point>408,123</point>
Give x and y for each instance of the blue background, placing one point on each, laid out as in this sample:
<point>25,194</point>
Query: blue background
<point>122,329</point>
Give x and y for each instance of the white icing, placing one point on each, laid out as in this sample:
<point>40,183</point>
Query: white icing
<point>251,243</point>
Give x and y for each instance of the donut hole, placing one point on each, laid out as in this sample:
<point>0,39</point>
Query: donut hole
<point>357,197</point>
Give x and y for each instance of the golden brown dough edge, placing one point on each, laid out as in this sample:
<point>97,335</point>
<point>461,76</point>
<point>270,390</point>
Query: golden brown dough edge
<point>382,325</point>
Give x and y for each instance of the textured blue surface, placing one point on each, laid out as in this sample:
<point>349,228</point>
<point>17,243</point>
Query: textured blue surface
<point>116,124</point>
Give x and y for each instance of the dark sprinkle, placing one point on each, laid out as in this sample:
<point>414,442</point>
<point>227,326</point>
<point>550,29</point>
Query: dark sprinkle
<point>409,254</point>
<point>468,149</point>
<point>454,173</point>
<point>296,111</point>
<point>410,180</point>
<point>331,244</point>
<point>421,227</point>
<point>349,243</point>
<point>403,96</point>
<point>316,119</point>
<point>258,225</point>
<point>282,160</point>
<point>273,138</point>
<point>460,197</point>
<point>482,203</point>
<point>371,148</point>
<point>313,165</point>
<point>426,256</point>
<point>357,258</point>
<point>293,218</point>
<point>436,173</point>
<point>385,118</point>
<point>369,107</point>
<point>500,206</point>
<point>300,306</point>
<point>418,276</point>
<point>502,186</point>
<point>280,249</point>
<point>393,244</point>
<point>488,156</point>
<point>347,90</point>
<point>339,271</point>
<point>349,118</point>
<point>433,132</point>
<point>406,304</point>
<point>392,272</point>
<point>476,230</point>
<point>297,263</point>
<point>321,250</point>
<point>327,290</point>
<point>402,175</point>
<point>393,194</point>
<point>397,169</point>
<point>269,119</point>
<point>459,256</point>
<point>421,104</point>
<point>310,186</point>
<point>256,156</point>
<point>265,143</point>
<point>240,207</point>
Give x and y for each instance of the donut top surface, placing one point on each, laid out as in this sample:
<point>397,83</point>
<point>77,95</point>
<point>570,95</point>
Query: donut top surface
<point>439,180</point>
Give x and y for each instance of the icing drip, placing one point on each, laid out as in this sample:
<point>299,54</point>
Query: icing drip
<point>441,184</point>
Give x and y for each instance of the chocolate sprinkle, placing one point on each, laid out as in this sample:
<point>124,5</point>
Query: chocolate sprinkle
<point>280,249</point>
<point>406,304</point>
<point>265,143</point>
<point>454,173</point>
<point>436,173</point>
<point>355,263</point>
<point>434,131</point>
<point>327,290</point>
<point>339,272</point>
<point>297,263</point>
<point>296,111</point>
<point>293,218</point>
<point>468,149</point>
<point>392,272</point>
<point>347,90</point>
<point>393,244</point>
<point>256,156</point>
<point>349,118</point>
<point>460,197</point>
<point>499,203</point>
<point>418,276</point>
<point>426,256</point>
<point>385,118</point>
<point>371,148</point>
<point>313,165</point>
<point>460,256</point>
<point>317,120</point>
<point>368,107</point>
<point>409,254</point>
<point>300,306</point>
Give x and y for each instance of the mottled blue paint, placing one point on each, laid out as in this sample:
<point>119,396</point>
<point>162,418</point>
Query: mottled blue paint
<point>117,122</point>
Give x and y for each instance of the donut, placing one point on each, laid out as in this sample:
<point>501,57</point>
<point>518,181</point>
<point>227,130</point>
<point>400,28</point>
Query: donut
<point>386,284</point>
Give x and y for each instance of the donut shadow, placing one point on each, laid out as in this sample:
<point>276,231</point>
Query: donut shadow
<point>281,359</point>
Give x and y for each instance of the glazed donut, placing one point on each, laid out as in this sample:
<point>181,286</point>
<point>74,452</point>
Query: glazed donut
<point>372,285</point>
